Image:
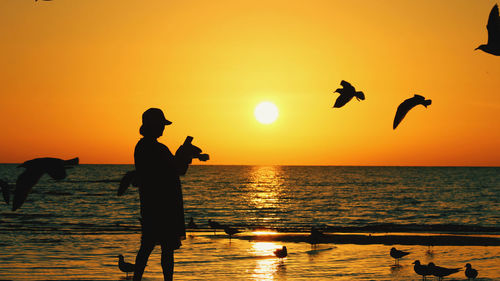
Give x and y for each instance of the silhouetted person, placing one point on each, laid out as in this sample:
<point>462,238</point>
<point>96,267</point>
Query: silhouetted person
<point>55,167</point>
<point>347,92</point>
<point>493,26</point>
<point>408,104</point>
<point>162,211</point>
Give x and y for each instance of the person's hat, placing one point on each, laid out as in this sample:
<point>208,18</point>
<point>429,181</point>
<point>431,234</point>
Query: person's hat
<point>154,116</point>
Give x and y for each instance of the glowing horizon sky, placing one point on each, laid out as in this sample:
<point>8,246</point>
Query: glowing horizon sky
<point>77,75</point>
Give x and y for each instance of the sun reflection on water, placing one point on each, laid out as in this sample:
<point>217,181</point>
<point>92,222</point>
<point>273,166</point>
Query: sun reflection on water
<point>267,267</point>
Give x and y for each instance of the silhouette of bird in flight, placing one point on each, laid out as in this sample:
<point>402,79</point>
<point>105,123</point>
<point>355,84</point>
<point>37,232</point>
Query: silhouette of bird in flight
<point>493,26</point>
<point>441,272</point>
<point>127,180</point>
<point>397,254</point>
<point>347,92</point>
<point>215,225</point>
<point>5,191</point>
<point>125,266</point>
<point>421,269</point>
<point>470,272</point>
<point>230,231</point>
<point>281,253</point>
<point>408,104</point>
<point>55,167</point>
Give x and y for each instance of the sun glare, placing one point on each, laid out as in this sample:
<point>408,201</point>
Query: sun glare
<point>266,112</point>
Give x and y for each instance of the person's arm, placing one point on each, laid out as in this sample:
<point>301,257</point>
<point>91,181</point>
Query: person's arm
<point>183,157</point>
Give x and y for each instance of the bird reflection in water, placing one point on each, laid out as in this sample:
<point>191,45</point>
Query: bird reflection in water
<point>267,267</point>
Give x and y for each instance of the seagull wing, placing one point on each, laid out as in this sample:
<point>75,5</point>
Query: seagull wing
<point>347,86</point>
<point>126,181</point>
<point>24,184</point>
<point>493,27</point>
<point>342,100</point>
<point>403,109</point>
<point>5,191</point>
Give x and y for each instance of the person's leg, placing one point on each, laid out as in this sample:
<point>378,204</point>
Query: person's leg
<point>142,258</point>
<point>167,262</point>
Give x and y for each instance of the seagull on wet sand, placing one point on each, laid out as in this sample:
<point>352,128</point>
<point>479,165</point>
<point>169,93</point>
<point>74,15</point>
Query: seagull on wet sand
<point>397,254</point>
<point>347,92</point>
<point>441,272</point>
<point>470,272</point>
<point>493,26</point>
<point>230,231</point>
<point>281,253</point>
<point>125,266</point>
<point>314,237</point>
<point>406,105</point>
<point>55,167</point>
<point>421,269</point>
<point>215,225</point>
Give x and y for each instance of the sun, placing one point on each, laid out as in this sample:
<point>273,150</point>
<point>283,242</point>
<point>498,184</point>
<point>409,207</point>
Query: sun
<point>266,112</point>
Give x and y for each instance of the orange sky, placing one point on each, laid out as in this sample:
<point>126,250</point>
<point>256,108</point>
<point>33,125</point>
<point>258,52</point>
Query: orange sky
<point>76,76</point>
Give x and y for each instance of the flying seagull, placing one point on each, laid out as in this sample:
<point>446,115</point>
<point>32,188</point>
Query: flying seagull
<point>441,272</point>
<point>470,272</point>
<point>397,254</point>
<point>493,26</point>
<point>281,253</point>
<point>421,269</point>
<point>125,266</point>
<point>55,167</point>
<point>347,92</point>
<point>408,104</point>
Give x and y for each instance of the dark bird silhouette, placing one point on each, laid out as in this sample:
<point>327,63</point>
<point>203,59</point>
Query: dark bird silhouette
<point>230,231</point>
<point>314,237</point>
<point>125,266</point>
<point>191,224</point>
<point>441,272</point>
<point>470,272</point>
<point>215,225</point>
<point>421,269</point>
<point>128,179</point>
<point>281,253</point>
<point>493,26</point>
<point>408,104</point>
<point>347,92</point>
<point>5,191</point>
<point>397,254</point>
<point>55,167</point>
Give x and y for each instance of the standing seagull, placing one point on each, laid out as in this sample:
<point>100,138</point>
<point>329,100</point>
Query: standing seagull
<point>315,237</point>
<point>408,104</point>
<point>5,191</point>
<point>397,254</point>
<point>493,26</point>
<point>421,269</point>
<point>230,231</point>
<point>470,272</point>
<point>441,272</point>
<point>55,167</point>
<point>125,266</point>
<point>347,92</point>
<point>281,253</point>
<point>215,225</point>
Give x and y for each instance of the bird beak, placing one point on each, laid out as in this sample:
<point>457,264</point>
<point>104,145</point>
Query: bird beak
<point>357,98</point>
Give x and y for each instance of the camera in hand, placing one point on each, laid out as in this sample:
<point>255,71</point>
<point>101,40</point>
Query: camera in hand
<point>195,151</point>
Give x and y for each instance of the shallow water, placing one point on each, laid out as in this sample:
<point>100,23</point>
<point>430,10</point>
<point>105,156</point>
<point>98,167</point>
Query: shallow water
<point>75,228</point>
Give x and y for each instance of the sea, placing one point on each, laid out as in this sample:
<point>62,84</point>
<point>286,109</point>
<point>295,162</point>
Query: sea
<point>74,229</point>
